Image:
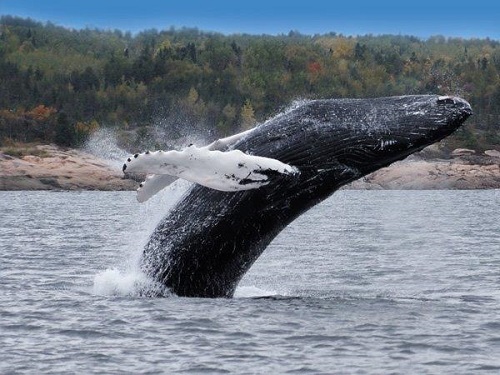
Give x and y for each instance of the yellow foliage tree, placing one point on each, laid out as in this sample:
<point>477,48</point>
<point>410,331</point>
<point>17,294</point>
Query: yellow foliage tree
<point>247,116</point>
<point>192,97</point>
<point>229,113</point>
<point>84,129</point>
<point>343,48</point>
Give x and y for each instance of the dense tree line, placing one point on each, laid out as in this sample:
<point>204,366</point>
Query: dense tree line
<point>59,84</point>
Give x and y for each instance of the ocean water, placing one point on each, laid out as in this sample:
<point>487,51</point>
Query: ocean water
<point>368,282</point>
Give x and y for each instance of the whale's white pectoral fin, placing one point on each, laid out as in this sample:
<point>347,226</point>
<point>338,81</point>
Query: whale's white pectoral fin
<point>223,143</point>
<point>152,185</point>
<point>226,171</point>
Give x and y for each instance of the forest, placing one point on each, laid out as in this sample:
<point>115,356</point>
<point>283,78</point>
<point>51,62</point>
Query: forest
<point>58,85</point>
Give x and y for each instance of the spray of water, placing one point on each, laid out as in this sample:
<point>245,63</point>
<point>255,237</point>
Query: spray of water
<point>126,278</point>
<point>104,144</point>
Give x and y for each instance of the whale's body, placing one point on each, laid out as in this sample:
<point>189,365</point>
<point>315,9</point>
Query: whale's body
<point>207,242</point>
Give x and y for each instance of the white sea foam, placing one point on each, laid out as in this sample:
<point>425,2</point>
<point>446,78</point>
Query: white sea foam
<point>252,292</point>
<point>115,282</point>
<point>124,277</point>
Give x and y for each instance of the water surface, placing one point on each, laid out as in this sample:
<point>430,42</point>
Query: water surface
<point>367,282</point>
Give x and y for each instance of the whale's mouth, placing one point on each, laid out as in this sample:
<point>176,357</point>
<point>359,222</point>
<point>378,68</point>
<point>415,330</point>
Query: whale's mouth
<point>457,111</point>
<point>455,100</point>
<point>458,104</point>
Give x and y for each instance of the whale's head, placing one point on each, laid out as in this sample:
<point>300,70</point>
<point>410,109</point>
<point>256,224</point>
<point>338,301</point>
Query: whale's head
<point>407,124</point>
<point>336,141</point>
<point>381,133</point>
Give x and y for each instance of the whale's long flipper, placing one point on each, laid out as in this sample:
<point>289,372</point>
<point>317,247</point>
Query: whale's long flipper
<point>225,171</point>
<point>223,143</point>
<point>154,183</point>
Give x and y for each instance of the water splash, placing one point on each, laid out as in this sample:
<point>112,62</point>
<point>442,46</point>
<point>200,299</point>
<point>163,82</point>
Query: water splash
<point>104,144</point>
<point>125,277</point>
<point>115,282</point>
<point>253,292</point>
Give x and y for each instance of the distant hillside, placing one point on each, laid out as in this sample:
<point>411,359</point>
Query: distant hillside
<point>58,85</point>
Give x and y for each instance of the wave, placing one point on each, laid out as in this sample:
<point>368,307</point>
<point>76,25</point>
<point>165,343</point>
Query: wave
<point>127,283</point>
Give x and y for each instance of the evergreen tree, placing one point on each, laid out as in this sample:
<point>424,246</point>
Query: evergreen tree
<point>65,133</point>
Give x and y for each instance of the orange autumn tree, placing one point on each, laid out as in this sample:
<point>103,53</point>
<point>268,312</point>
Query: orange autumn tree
<point>41,112</point>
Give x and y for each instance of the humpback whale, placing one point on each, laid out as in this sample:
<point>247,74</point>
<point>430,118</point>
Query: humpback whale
<point>250,186</point>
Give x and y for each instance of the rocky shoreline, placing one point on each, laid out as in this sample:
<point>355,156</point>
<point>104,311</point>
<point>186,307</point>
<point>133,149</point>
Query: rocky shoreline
<point>48,167</point>
<point>453,174</point>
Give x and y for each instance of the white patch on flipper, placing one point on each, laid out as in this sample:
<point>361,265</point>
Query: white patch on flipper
<point>226,171</point>
<point>152,185</point>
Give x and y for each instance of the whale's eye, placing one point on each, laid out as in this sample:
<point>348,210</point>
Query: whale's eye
<point>445,100</point>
